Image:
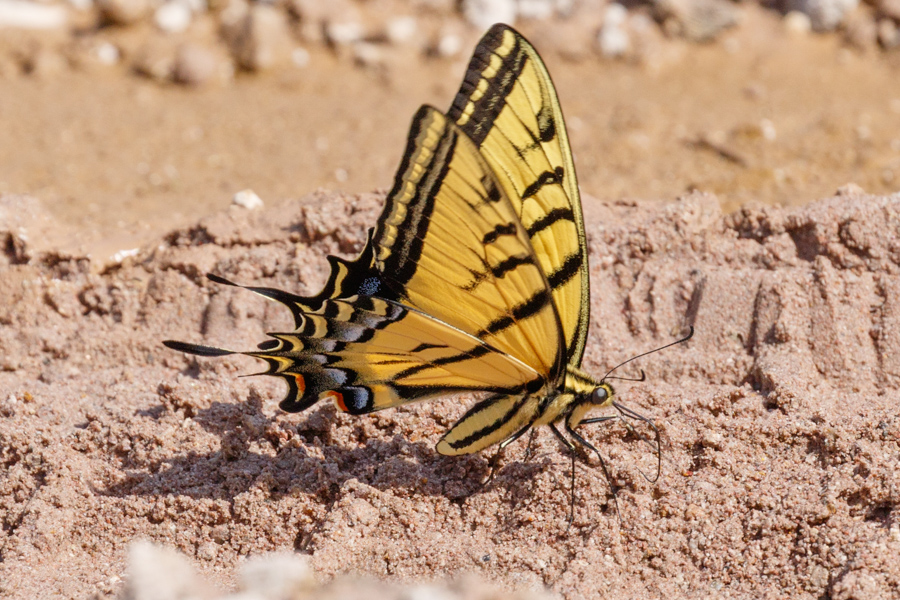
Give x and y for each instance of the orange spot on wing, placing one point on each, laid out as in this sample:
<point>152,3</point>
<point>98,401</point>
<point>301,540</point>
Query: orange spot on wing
<point>301,384</point>
<point>338,399</point>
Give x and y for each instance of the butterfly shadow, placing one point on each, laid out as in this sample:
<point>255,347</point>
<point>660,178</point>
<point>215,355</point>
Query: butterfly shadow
<point>287,458</point>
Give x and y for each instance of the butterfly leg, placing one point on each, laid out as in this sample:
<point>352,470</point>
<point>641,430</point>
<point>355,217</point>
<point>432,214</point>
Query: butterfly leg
<point>572,453</point>
<point>612,486</point>
<point>656,445</point>
<point>496,458</point>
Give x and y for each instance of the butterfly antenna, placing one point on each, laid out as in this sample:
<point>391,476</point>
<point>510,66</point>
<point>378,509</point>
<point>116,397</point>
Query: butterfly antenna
<point>643,377</point>
<point>681,341</point>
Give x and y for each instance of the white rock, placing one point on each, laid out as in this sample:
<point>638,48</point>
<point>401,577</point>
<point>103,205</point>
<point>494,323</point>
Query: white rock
<point>797,23</point>
<point>484,13</point>
<point>247,199</point>
<point>30,15</point>
<point>121,255</point>
<point>158,573</point>
<point>613,39</point>
<point>277,575</point>
<point>197,65</point>
<point>300,56</point>
<point>260,40</point>
<point>343,33</point>
<point>449,45</point>
<point>173,16</point>
<point>536,9</point>
<point>824,15</point>
<point>108,54</point>
<point>400,30</point>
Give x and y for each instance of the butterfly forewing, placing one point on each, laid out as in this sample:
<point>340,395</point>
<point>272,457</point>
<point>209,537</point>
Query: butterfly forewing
<point>450,243</point>
<point>508,106</point>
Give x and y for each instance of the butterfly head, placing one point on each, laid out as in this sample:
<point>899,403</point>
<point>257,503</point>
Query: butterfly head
<point>601,395</point>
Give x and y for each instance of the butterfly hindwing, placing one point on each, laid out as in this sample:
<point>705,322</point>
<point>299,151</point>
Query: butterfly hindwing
<point>491,421</point>
<point>368,353</point>
<point>508,106</point>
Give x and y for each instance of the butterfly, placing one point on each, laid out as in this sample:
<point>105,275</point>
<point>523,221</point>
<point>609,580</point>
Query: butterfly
<point>475,278</point>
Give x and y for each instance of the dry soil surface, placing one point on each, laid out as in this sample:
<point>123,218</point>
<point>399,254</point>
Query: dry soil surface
<point>779,418</point>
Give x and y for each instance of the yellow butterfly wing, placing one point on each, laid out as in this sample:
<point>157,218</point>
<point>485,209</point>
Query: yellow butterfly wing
<point>450,244</point>
<point>508,106</point>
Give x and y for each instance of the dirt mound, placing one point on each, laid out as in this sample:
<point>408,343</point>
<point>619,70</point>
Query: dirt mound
<point>779,417</point>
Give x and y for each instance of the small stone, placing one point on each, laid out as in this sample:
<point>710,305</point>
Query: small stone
<point>30,15</point>
<point>197,65</point>
<point>448,45</point>
<point>155,59</point>
<point>797,23</point>
<point>158,572</point>
<point>888,34</point>
<point>247,199</point>
<point>344,33</point>
<point>300,57</point>
<point>400,30</point>
<point>107,54</point>
<point>124,12</point>
<point>368,55</point>
<point>889,9</point>
<point>277,575</point>
<point>536,9</point>
<point>697,20</point>
<point>207,551</point>
<point>824,15</point>
<point>173,17</point>
<point>613,39</point>
<point>860,31</point>
<point>260,40</point>
<point>484,13</point>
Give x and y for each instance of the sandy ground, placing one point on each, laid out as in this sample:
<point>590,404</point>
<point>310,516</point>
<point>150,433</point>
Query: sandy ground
<point>779,418</point>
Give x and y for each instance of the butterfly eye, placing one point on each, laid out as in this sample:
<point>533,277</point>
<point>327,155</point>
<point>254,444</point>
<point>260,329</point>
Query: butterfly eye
<point>599,395</point>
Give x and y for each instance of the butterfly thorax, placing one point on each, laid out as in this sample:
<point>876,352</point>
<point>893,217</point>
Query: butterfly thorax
<point>578,395</point>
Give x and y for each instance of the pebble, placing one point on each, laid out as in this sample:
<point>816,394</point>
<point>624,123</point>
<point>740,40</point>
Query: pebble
<point>247,199</point>
<point>159,572</point>
<point>484,13</point>
<point>198,65</point>
<point>697,20</point>
<point>449,44</point>
<point>30,15</point>
<point>124,12</point>
<point>173,17</point>
<point>824,15</point>
<point>107,54</point>
<point>797,23</point>
<point>343,33</point>
<point>888,34</point>
<point>277,575</point>
<point>861,31</point>
<point>300,57</point>
<point>613,39</point>
<point>155,59</point>
<point>260,40</point>
<point>367,54</point>
<point>400,30</point>
<point>889,8</point>
<point>536,9</point>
